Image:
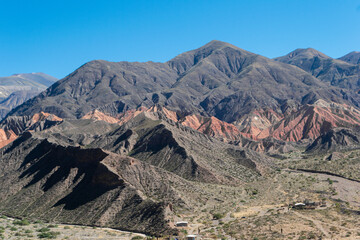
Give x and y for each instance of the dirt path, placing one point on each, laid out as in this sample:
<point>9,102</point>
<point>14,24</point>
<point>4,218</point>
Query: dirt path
<point>346,190</point>
<point>317,223</point>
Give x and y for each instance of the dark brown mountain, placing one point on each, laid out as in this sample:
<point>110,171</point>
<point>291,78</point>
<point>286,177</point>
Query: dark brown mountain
<point>336,72</point>
<point>217,79</point>
<point>353,58</point>
<point>84,186</point>
<point>335,140</point>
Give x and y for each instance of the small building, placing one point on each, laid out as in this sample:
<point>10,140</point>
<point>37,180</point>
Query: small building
<point>191,237</point>
<point>181,224</point>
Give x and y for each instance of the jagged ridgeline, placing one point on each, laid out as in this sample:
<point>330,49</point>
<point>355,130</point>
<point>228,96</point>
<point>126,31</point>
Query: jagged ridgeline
<point>135,145</point>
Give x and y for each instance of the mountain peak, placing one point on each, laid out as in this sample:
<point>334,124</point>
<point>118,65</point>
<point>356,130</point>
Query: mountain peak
<point>187,60</point>
<point>217,44</point>
<point>303,53</point>
<point>352,57</point>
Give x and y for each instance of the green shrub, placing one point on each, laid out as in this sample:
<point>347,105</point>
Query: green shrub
<point>23,222</point>
<point>48,235</point>
<point>218,216</point>
<point>137,238</point>
<point>43,230</point>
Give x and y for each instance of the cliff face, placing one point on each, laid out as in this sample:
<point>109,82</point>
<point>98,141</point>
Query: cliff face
<point>310,121</point>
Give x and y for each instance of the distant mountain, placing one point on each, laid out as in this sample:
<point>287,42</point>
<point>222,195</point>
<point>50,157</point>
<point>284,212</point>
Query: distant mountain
<point>336,72</point>
<point>17,88</point>
<point>24,81</point>
<point>217,79</point>
<point>353,58</point>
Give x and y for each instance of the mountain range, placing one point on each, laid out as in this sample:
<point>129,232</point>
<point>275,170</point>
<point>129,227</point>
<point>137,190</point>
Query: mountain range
<point>134,144</point>
<point>17,88</point>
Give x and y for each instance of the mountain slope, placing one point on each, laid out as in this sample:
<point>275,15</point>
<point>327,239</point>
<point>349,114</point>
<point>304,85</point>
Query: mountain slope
<point>15,99</point>
<point>84,186</point>
<point>18,88</point>
<point>25,81</point>
<point>353,58</point>
<point>335,140</point>
<point>217,79</point>
<point>311,121</point>
<point>337,72</point>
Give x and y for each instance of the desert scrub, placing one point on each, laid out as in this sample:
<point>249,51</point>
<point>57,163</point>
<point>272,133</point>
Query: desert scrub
<point>137,238</point>
<point>43,230</point>
<point>52,226</point>
<point>13,229</point>
<point>23,222</point>
<point>218,216</point>
<point>48,235</point>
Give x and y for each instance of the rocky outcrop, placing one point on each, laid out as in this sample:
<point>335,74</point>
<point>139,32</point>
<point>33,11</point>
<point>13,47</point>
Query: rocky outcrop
<point>97,115</point>
<point>335,140</point>
<point>6,137</point>
<point>310,121</point>
<point>12,127</point>
<point>252,124</point>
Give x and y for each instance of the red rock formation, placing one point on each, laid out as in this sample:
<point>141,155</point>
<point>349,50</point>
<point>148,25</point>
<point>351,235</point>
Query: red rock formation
<point>207,125</point>
<point>212,126</point>
<point>44,116</point>
<point>6,137</point>
<point>21,124</point>
<point>258,120</point>
<point>97,115</point>
<point>311,121</point>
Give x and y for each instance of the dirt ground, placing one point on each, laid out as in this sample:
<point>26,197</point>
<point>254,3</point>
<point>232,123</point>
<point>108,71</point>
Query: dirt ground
<point>20,230</point>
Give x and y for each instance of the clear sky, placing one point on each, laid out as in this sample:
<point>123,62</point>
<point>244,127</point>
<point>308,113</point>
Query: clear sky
<point>58,36</point>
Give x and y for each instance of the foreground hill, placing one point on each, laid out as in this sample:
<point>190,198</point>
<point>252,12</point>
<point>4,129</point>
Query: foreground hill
<point>87,186</point>
<point>130,177</point>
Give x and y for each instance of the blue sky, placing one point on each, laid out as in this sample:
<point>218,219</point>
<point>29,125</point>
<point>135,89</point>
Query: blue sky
<point>58,36</point>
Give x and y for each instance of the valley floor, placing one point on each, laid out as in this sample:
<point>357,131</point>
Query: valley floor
<point>254,210</point>
<point>22,229</point>
<point>260,209</point>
